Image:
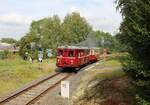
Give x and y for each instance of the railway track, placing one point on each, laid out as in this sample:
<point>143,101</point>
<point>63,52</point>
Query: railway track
<point>33,93</point>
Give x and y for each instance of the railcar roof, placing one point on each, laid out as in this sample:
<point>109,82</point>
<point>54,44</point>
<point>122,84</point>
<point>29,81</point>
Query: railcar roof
<point>72,47</point>
<point>95,48</point>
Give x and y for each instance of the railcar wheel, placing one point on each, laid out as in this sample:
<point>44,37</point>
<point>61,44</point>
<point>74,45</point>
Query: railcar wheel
<point>76,70</point>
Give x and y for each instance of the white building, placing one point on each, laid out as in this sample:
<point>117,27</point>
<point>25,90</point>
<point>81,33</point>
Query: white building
<point>9,47</point>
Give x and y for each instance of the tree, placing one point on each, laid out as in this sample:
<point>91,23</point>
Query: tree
<point>75,28</point>
<point>25,45</point>
<point>51,33</point>
<point>106,40</point>
<point>135,33</point>
<point>8,40</point>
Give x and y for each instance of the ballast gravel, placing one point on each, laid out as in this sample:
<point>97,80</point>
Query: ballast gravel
<point>53,97</point>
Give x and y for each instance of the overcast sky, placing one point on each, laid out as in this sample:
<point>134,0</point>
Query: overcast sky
<point>16,15</point>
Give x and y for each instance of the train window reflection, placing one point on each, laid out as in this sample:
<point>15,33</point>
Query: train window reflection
<point>70,54</point>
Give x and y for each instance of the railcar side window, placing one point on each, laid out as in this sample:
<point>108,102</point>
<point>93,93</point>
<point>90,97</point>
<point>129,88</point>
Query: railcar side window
<point>93,52</point>
<point>71,53</point>
<point>87,52</point>
<point>79,55</point>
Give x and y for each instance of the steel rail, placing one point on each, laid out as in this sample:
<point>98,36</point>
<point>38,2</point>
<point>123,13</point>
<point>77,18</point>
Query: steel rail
<point>47,90</point>
<point>27,88</point>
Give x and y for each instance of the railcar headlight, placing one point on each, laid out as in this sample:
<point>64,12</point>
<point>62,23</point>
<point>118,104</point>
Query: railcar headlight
<point>58,60</point>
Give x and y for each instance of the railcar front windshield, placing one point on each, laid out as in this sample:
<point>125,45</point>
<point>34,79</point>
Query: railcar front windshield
<point>65,53</point>
<point>59,52</point>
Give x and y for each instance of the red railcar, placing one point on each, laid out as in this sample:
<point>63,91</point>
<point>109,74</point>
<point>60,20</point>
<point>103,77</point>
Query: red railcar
<point>72,56</point>
<point>94,54</point>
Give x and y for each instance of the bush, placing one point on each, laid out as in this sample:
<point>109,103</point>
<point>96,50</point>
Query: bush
<point>4,54</point>
<point>140,75</point>
<point>141,101</point>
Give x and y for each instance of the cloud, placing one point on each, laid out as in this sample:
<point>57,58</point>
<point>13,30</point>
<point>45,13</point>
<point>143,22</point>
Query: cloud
<point>104,19</point>
<point>14,18</point>
<point>14,31</point>
<point>14,25</point>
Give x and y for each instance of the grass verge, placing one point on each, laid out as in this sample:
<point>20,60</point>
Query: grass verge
<point>17,72</point>
<point>110,69</point>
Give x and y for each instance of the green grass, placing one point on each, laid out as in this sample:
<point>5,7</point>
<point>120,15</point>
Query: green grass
<point>15,72</point>
<point>111,74</point>
<point>112,62</point>
<point>112,69</point>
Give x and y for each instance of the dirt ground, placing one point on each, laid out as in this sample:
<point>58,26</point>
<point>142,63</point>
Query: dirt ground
<point>116,92</point>
<point>109,86</point>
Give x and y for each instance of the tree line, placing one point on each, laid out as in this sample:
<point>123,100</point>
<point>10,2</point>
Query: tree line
<point>8,40</point>
<point>135,34</point>
<point>51,32</point>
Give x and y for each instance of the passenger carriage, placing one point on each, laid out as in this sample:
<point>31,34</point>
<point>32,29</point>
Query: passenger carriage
<point>94,54</point>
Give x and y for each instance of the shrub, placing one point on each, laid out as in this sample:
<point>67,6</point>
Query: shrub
<point>4,54</point>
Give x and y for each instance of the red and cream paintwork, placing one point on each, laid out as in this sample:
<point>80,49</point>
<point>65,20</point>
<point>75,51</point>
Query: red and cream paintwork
<point>94,54</point>
<point>75,57</point>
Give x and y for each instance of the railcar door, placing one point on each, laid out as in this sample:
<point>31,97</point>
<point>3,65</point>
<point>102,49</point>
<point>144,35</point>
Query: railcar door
<point>71,58</point>
<point>59,57</point>
<point>81,57</point>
